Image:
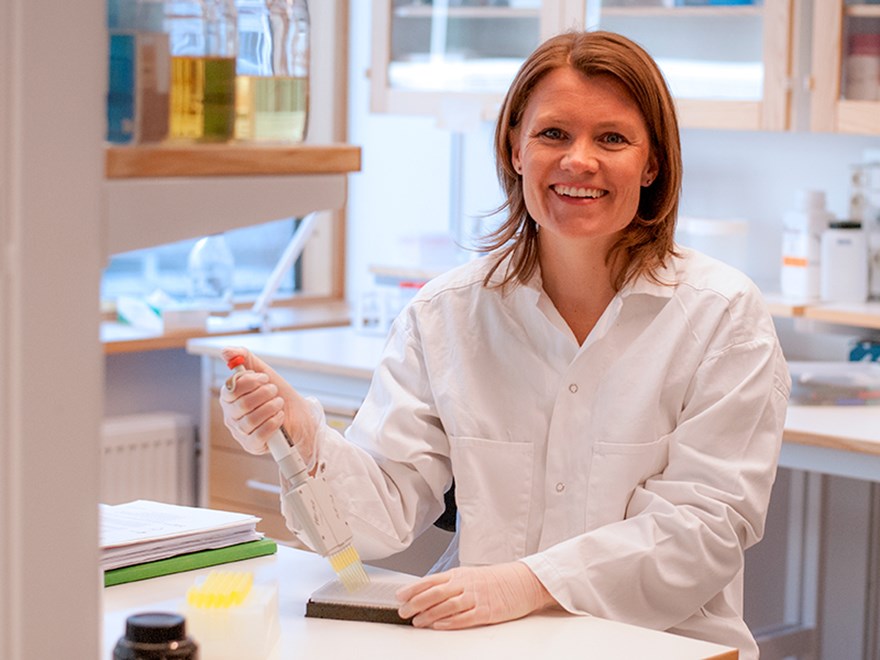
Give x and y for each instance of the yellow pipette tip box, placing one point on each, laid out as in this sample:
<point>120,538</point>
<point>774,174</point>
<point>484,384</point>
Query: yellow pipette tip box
<point>230,617</point>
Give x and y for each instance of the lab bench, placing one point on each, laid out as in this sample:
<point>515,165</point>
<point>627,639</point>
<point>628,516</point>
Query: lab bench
<point>297,574</point>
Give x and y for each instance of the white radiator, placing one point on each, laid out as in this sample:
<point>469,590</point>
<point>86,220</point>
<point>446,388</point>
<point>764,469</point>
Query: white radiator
<point>148,457</point>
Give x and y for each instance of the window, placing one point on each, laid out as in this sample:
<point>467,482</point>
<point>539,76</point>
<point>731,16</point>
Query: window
<point>255,250</point>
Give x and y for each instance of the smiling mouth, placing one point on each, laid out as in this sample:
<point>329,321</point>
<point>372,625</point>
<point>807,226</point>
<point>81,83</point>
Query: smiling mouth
<point>575,191</point>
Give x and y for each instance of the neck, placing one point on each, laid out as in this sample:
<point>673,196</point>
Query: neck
<point>578,281</point>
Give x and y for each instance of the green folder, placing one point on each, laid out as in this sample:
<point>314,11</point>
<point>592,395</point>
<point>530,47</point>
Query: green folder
<point>190,561</point>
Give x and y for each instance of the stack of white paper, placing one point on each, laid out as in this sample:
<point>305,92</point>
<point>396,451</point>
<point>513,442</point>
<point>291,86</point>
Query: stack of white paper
<point>142,531</point>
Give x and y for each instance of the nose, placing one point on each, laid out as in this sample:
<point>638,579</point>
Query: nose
<point>581,156</point>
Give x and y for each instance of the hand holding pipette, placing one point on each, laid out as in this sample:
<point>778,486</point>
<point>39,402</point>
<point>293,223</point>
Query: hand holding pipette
<point>308,497</point>
<point>262,403</point>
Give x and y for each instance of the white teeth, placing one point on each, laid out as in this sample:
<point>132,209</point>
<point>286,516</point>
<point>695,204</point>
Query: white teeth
<point>571,191</point>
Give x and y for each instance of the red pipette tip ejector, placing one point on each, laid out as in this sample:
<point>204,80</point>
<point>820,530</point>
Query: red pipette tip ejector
<point>234,362</point>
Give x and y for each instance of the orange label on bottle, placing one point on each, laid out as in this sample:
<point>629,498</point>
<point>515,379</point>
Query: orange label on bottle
<point>794,261</point>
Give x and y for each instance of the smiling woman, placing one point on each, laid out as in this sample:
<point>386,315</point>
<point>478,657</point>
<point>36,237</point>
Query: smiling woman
<point>609,406</point>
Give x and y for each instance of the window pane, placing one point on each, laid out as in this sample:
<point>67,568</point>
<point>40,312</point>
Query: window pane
<point>255,249</point>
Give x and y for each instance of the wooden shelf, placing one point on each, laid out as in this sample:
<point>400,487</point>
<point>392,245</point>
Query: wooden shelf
<point>785,307</point>
<point>121,338</point>
<point>175,160</point>
<point>155,195</point>
<point>863,11</point>
<point>864,315</point>
<point>862,117</point>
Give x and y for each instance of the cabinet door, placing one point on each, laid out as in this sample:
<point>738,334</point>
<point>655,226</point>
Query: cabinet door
<point>455,58</point>
<point>846,66</point>
<point>727,62</point>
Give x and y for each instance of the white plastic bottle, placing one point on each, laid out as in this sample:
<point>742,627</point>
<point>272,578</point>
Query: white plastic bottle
<point>844,263</point>
<point>802,229</point>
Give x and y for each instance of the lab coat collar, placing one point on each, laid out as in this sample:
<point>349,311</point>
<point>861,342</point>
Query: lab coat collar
<point>667,276</point>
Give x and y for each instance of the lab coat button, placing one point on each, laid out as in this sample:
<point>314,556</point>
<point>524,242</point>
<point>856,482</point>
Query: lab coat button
<point>560,487</point>
<point>573,388</point>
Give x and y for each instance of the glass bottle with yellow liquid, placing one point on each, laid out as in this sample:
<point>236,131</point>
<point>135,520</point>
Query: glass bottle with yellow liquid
<point>272,75</point>
<point>203,43</point>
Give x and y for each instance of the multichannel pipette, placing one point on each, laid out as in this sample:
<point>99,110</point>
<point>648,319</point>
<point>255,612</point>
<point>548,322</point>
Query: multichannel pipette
<point>312,502</point>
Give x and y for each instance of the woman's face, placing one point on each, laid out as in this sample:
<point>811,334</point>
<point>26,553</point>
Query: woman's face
<point>583,150</point>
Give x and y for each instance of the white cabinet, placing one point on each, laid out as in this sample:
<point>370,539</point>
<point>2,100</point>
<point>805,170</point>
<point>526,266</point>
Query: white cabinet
<point>836,104</point>
<point>452,58</point>
<point>729,66</point>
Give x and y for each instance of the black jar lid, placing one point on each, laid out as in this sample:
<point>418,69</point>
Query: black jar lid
<point>155,636</point>
<point>155,627</point>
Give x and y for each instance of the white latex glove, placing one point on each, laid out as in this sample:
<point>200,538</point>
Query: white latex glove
<point>260,403</point>
<point>473,596</point>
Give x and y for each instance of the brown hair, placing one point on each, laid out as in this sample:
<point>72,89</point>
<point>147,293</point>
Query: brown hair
<point>648,239</point>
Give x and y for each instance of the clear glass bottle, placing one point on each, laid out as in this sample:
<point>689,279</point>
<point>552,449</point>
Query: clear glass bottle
<point>203,43</point>
<point>272,71</point>
<point>211,268</point>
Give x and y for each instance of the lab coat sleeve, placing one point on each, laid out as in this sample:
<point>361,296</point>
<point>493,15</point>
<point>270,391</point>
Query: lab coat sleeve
<point>682,539</point>
<point>391,469</point>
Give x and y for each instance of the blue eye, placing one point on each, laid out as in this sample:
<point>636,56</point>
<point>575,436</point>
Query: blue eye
<point>614,138</point>
<point>552,133</point>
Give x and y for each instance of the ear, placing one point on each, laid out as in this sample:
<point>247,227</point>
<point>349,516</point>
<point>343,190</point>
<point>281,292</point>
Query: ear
<point>515,151</point>
<point>650,172</point>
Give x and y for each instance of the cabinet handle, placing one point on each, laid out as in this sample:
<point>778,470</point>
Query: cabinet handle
<point>263,487</point>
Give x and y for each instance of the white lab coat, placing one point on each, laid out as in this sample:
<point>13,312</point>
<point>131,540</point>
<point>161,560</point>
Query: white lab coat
<point>630,473</point>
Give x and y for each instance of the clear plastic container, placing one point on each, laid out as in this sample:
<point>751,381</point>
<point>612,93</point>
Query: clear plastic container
<point>272,70</point>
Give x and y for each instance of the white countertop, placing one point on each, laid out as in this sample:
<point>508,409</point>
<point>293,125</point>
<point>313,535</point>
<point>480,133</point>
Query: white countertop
<point>850,428</point>
<point>342,351</point>
<point>297,574</point>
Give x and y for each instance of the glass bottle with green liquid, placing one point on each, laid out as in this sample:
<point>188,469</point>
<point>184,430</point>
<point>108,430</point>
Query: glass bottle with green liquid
<point>203,42</point>
<point>272,81</point>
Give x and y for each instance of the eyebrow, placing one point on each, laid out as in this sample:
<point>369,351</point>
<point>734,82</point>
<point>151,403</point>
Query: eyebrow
<point>615,124</point>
